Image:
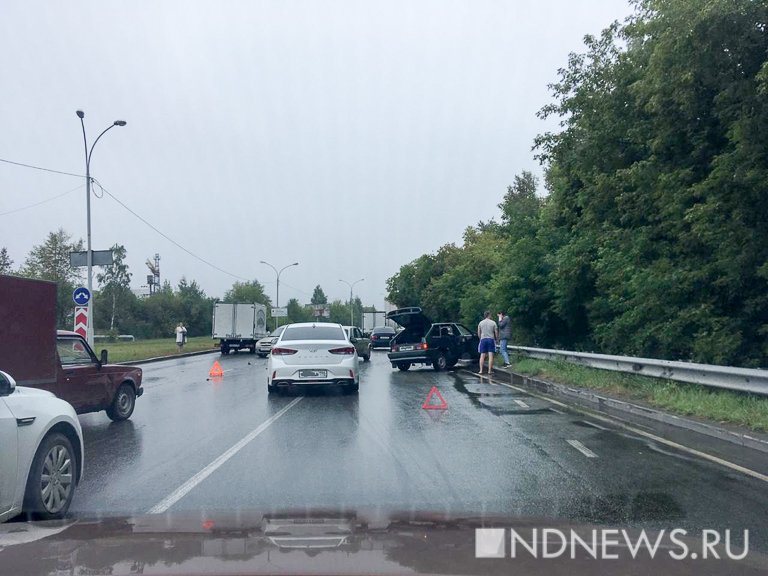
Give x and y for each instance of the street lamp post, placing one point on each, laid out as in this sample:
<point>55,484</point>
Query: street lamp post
<point>277,290</point>
<point>89,254</point>
<point>351,310</point>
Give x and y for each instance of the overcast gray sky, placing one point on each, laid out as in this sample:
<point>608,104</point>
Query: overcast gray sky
<point>351,136</point>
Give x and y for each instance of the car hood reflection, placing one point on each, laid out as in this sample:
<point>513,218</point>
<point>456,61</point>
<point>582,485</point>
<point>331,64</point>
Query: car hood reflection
<point>306,542</point>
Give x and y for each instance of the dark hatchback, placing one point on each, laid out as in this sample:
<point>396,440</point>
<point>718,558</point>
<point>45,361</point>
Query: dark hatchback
<point>382,336</point>
<point>440,345</point>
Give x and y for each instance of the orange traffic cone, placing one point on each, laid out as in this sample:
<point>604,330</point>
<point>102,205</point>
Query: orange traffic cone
<point>216,369</point>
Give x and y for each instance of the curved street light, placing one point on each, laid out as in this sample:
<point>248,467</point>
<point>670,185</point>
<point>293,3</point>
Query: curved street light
<point>351,310</point>
<point>89,254</point>
<point>277,295</point>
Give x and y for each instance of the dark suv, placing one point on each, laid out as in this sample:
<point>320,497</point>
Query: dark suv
<point>440,345</point>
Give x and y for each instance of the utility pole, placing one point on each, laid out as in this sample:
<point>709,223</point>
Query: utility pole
<point>89,256</point>
<point>277,289</point>
<point>351,309</point>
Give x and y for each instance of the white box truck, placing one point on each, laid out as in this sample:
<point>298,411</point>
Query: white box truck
<point>239,325</point>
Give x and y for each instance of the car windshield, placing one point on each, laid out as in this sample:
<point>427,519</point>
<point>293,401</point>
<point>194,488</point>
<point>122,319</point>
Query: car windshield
<point>72,351</point>
<point>235,204</point>
<point>314,332</point>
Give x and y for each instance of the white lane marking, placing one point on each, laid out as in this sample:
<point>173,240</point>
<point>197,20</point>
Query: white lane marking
<point>529,393</point>
<point>698,453</point>
<point>182,490</point>
<point>588,423</point>
<point>659,439</point>
<point>521,404</point>
<point>558,411</point>
<point>581,448</point>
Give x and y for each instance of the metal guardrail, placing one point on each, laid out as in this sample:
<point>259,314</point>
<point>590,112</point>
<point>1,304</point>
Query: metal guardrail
<point>727,377</point>
<point>120,338</point>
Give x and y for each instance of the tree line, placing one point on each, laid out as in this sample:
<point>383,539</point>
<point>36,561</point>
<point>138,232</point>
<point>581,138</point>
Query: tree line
<point>118,310</point>
<point>652,237</point>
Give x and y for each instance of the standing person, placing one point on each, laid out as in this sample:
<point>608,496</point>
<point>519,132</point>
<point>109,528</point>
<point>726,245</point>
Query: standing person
<point>181,335</point>
<point>505,333</point>
<point>488,333</point>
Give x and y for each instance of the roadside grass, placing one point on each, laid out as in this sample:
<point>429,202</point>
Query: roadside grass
<point>722,406</point>
<point>143,349</point>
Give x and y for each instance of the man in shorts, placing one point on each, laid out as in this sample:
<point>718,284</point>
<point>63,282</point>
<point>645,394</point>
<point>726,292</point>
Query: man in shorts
<point>488,333</point>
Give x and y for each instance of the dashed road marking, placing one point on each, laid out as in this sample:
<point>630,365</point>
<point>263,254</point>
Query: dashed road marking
<point>581,448</point>
<point>529,393</point>
<point>645,434</point>
<point>521,404</point>
<point>588,423</point>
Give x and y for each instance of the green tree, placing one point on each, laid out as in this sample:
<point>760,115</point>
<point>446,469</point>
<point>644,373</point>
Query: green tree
<point>158,315</point>
<point>50,261</point>
<point>407,286</point>
<point>653,240</point>
<point>318,296</point>
<point>339,312</point>
<point>115,282</point>
<point>195,308</point>
<point>297,312</point>
<point>6,263</point>
<point>659,181</point>
<point>357,307</point>
<point>251,292</point>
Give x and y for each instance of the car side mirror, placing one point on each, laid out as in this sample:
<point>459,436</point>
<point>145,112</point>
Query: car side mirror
<point>103,358</point>
<point>7,384</point>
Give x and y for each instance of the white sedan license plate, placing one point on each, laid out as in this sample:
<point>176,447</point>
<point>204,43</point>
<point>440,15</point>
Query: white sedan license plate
<point>313,373</point>
<point>406,348</point>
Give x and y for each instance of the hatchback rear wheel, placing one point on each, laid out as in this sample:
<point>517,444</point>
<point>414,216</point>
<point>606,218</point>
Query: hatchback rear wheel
<point>440,363</point>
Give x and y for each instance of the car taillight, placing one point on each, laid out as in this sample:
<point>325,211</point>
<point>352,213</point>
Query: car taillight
<point>348,350</point>
<point>422,346</point>
<point>374,337</point>
<point>283,351</point>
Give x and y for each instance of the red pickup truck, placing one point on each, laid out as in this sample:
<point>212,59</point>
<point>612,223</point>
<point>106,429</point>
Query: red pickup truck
<point>39,356</point>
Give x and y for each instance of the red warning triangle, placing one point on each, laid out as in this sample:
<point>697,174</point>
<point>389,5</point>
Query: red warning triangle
<point>216,369</point>
<point>427,403</point>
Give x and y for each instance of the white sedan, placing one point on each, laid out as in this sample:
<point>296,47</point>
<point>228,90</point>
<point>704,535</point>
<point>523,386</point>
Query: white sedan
<point>264,345</point>
<point>41,452</point>
<point>313,354</point>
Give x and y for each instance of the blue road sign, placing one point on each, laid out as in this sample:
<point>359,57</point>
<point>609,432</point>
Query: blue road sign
<point>81,296</point>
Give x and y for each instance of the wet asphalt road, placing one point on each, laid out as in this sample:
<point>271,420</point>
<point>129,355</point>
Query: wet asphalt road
<point>195,444</point>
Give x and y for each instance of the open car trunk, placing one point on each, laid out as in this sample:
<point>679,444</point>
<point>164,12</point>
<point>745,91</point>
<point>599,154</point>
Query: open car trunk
<point>409,337</point>
<point>415,323</point>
